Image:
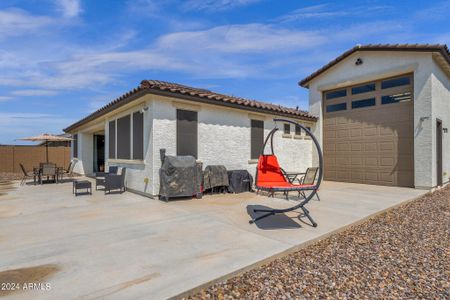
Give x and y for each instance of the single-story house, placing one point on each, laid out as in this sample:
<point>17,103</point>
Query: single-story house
<point>383,115</point>
<point>216,129</point>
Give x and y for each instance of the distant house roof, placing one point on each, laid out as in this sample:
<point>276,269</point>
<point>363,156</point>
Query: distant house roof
<point>193,94</point>
<point>438,48</point>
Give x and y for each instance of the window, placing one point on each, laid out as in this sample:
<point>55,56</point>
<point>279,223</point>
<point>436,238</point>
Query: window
<point>256,138</point>
<point>298,130</point>
<point>75,145</point>
<point>309,128</point>
<point>390,83</point>
<point>112,139</point>
<point>287,128</point>
<point>363,103</point>
<point>336,107</point>
<point>123,138</point>
<point>138,135</point>
<point>336,94</point>
<point>402,97</point>
<point>363,88</point>
<point>187,132</point>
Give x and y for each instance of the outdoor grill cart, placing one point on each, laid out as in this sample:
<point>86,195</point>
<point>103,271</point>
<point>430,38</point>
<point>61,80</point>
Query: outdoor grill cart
<point>270,177</point>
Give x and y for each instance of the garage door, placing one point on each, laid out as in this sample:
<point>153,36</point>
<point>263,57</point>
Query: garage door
<point>368,133</point>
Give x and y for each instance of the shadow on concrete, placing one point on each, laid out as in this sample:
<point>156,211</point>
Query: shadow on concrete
<point>278,221</point>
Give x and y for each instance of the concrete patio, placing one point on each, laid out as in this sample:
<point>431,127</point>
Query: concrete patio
<point>130,247</point>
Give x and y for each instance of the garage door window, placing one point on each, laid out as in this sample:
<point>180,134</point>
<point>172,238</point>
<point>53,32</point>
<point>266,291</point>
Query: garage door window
<point>400,81</point>
<point>363,88</point>
<point>336,107</point>
<point>363,103</point>
<point>336,94</point>
<point>401,97</point>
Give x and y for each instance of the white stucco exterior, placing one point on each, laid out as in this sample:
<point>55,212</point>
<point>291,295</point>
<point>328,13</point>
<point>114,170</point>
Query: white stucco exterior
<point>223,139</point>
<point>431,100</point>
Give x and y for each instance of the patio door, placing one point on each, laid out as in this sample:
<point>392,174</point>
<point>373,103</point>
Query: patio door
<point>99,153</point>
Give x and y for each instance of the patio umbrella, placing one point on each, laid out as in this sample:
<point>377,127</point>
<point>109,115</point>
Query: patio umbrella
<point>47,138</point>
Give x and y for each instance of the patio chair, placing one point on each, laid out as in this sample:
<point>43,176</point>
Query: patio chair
<point>100,176</point>
<point>115,181</point>
<point>309,179</point>
<point>48,170</point>
<point>27,175</point>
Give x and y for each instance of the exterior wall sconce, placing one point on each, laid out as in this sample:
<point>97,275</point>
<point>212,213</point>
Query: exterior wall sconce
<point>445,130</point>
<point>424,118</point>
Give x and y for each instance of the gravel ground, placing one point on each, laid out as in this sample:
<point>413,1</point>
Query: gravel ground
<point>403,253</point>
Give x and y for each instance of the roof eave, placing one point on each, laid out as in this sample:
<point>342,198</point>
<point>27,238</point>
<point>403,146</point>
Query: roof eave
<point>137,93</point>
<point>442,49</point>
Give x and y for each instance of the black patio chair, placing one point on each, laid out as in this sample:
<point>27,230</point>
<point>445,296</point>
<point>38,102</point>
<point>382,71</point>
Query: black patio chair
<point>27,175</point>
<point>115,181</point>
<point>100,176</point>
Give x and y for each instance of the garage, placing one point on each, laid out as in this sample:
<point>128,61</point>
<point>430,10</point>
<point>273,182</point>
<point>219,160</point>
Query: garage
<point>368,132</point>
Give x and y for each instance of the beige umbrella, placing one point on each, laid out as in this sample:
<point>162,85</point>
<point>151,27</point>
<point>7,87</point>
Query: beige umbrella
<point>47,138</point>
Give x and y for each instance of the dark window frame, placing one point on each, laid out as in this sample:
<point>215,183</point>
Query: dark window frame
<point>330,107</point>
<point>138,135</point>
<point>75,145</point>
<point>396,82</point>
<point>331,95</point>
<point>123,149</point>
<point>390,99</point>
<point>297,130</point>
<point>112,139</point>
<point>256,138</point>
<point>363,103</point>
<point>187,141</point>
<point>287,128</point>
<point>364,88</point>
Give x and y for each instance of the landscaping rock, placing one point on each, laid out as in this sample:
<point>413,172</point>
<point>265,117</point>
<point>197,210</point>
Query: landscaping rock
<point>403,253</point>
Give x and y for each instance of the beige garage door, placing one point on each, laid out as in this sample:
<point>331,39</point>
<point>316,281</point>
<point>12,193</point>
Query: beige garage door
<point>368,133</point>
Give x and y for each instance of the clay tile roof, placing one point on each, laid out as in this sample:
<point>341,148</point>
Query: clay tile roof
<point>439,48</point>
<point>193,94</point>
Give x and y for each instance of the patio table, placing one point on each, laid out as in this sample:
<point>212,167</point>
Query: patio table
<point>38,170</point>
<point>292,176</point>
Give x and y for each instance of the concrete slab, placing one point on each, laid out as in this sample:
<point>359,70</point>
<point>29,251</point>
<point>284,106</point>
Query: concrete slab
<point>130,247</point>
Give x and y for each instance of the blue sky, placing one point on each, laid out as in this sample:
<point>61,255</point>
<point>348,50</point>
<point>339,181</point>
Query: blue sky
<point>62,59</point>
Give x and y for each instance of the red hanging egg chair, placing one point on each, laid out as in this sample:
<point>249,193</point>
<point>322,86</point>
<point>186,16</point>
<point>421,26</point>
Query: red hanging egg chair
<point>270,177</point>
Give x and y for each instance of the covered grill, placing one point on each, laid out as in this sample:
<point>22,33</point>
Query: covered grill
<point>179,176</point>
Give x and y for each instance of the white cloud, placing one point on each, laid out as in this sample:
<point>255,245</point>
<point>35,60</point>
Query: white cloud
<point>250,38</point>
<point>21,124</point>
<point>328,11</point>
<point>34,92</point>
<point>212,5</point>
<point>69,8</point>
<point>5,98</point>
<point>15,22</point>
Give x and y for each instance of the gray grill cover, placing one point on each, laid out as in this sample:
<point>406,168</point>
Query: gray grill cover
<point>240,181</point>
<point>180,176</point>
<point>215,176</point>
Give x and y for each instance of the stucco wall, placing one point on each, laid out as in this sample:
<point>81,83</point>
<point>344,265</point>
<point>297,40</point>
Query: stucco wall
<point>441,110</point>
<point>223,137</point>
<point>377,65</point>
<point>139,174</point>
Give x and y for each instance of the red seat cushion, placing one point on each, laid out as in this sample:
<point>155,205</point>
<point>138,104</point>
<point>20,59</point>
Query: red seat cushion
<point>269,172</point>
<point>270,176</point>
